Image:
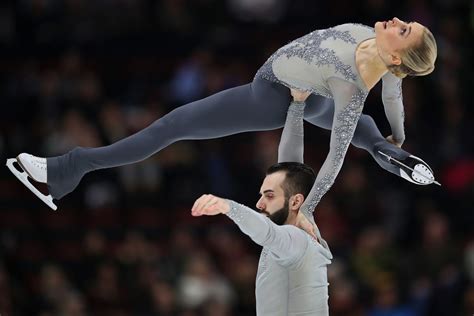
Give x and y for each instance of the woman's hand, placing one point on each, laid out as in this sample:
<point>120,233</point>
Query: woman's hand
<point>391,140</point>
<point>303,223</point>
<point>299,96</point>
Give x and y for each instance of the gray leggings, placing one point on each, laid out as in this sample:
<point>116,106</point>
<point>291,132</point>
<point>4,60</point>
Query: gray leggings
<point>258,106</point>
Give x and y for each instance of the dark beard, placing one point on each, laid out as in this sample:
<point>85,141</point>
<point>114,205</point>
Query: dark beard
<point>280,216</point>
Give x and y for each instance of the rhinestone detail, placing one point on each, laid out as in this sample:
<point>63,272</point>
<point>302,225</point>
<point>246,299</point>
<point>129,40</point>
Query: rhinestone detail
<point>347,122</point>
<point>296,115</point>
<point>235,213</point>
<point>309,49</point>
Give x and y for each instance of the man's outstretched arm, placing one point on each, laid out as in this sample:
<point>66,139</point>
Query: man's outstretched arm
<point>288,242</point>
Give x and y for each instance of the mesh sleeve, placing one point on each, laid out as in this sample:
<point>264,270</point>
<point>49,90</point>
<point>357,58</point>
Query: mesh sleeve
<point>291,147</point>
<point>392,99</point>
<point>286,242</point>
<point>349,101</point>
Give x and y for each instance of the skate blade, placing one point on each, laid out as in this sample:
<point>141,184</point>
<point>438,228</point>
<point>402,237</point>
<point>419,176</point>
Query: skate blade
<point>428,180</point>
<point>23,177</point>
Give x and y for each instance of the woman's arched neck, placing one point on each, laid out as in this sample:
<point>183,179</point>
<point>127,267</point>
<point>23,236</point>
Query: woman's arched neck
<point>369,63</point>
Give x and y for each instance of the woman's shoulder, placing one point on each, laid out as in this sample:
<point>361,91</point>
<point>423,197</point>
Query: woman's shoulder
<point>357,27</point>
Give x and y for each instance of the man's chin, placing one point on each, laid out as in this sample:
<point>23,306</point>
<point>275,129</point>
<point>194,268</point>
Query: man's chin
<point>280,216</point>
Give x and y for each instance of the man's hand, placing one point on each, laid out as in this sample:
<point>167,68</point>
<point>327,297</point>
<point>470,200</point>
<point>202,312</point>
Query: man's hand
<point>303,223</point>
<point>299,96</point>
<point>391,140</point>
<point>209,204</point>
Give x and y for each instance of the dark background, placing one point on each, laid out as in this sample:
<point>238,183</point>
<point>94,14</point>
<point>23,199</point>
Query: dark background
<point>87,73</point>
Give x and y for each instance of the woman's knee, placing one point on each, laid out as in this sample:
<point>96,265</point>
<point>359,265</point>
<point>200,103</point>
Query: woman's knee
<point>367,121</point>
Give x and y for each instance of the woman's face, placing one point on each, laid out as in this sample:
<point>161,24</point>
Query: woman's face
<point>394,36</point>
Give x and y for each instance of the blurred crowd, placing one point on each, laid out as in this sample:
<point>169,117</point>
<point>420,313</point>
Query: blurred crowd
<point>88,73</point>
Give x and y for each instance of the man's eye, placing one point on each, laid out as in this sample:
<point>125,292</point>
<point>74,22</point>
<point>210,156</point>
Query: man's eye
<point>403,31</point>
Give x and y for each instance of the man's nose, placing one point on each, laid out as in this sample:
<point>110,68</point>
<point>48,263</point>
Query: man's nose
<point>260,205</point>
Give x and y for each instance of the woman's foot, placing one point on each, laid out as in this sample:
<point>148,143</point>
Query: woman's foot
<point>34,167</point>
<point>413,169</point>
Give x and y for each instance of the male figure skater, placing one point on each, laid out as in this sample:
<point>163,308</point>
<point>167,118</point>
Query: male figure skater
<point>292,271</point>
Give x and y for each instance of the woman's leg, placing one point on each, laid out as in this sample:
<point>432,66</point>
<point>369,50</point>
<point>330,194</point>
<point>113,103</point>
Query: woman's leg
<point>320,112</point>
<point>261,105</point>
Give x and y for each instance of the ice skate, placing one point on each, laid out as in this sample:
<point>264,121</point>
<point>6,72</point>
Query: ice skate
<point>413,169</point>
<point>35,168</point>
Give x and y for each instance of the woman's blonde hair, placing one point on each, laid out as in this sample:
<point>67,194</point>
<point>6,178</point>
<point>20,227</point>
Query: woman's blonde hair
<point>418,60</point>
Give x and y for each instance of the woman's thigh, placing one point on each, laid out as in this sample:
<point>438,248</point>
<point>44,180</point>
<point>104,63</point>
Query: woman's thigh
<point>260,105</point>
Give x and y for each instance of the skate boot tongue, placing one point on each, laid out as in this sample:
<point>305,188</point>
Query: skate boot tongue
<point>36,167</point>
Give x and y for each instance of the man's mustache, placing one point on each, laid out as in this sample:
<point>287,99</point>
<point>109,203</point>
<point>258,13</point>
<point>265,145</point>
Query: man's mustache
<point>263,212</point>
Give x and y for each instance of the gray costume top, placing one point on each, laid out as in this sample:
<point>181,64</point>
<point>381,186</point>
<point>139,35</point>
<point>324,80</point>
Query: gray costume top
<point>292,271</point>
<point>323,62</point>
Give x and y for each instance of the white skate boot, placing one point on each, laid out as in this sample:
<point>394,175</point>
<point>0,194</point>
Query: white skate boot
<point>35,168</point>
<point>413,169</point>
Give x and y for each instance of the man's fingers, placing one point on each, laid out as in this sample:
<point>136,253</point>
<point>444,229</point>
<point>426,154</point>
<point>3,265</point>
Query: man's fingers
<point>195,204</point>
<point>207,204</point>
<point>212,209</point>
<point>199,204</point>
<point>211,201</point>
<point>194,213</point>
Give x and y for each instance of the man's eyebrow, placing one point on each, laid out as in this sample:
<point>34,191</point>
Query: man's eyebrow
<point>268,191</point>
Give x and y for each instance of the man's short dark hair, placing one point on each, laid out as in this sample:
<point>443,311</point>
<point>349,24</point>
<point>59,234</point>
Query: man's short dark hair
<point>299,177</point>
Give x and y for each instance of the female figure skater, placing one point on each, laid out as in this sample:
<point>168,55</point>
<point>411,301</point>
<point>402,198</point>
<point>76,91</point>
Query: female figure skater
<point>342,63</point>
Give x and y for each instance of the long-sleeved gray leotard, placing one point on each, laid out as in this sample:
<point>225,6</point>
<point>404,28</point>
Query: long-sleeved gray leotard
<point>323,62</point>
<point>292,270</point>
<point>313,63</point>
<point>262,105</point>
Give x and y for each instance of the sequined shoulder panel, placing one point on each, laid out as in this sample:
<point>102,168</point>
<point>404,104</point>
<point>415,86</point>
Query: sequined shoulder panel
<point>315,51</point>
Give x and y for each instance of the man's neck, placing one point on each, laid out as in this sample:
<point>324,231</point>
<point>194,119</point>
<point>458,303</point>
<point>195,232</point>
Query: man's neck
<point>291,220</point>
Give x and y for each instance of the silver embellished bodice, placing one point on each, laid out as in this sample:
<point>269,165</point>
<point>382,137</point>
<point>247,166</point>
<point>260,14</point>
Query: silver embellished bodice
<point>309,61</point>
<point>323,62</point>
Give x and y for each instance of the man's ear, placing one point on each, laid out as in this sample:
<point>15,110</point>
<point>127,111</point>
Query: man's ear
<point>296,201</point>
<point>396,60</point>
